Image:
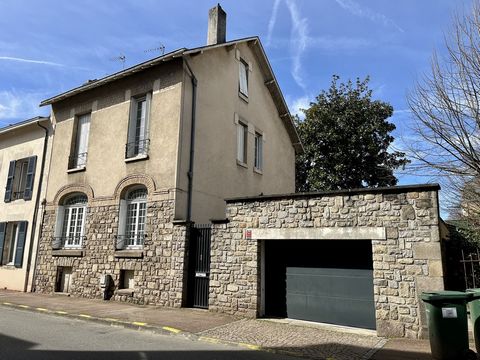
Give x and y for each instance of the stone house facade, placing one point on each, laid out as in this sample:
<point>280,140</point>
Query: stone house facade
<point>139,154</point>
<point>398,229</point>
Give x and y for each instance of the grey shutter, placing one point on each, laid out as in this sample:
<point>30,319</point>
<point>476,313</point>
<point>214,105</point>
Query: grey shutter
<point>32,162</point>
<point>3,228</point>
<point>9,187</point>
<point>22,235</point>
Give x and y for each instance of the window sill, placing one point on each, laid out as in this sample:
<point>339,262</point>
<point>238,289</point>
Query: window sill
<point>242,164</point>
<point>137,158</point>
<point>127,292</point>
<point>137,254</point>
<point>257,171</point>
<point>68,252</point>
<point>77,169</point>
<point>243,96</point>
<point>8,267</point>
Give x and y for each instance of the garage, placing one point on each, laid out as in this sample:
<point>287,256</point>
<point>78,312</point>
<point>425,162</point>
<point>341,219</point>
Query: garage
<point>328,281</point>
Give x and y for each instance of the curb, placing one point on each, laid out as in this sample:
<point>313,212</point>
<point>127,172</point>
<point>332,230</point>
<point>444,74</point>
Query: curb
<point>168,330</point>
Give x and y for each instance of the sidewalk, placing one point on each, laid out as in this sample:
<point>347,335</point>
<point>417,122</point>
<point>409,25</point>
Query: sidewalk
<point>296,338</point>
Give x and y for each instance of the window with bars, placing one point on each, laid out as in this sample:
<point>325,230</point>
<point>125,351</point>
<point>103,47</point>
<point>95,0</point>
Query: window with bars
<point>70,229</point>
<point>133,213</point>
<point>138,141</point>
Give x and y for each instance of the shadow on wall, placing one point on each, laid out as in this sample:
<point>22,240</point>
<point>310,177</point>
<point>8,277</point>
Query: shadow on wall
<point>16,349</point>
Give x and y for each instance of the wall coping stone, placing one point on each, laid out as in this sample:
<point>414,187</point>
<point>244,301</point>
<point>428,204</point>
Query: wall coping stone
<point>340,233</point>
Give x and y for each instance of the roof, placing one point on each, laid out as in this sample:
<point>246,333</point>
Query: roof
<point>257,48</point>
<point>371,190</point>
<point>24,123</point>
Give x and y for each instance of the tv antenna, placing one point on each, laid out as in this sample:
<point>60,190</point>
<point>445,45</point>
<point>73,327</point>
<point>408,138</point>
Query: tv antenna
<point>121,58</point>
<point>160,49</point>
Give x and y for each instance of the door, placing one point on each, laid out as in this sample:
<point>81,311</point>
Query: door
<point>199,266</point>
<point>329,281</point>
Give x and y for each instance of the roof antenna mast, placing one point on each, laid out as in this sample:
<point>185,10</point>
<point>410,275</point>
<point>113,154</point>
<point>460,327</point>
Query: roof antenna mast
<point>121,58</point>
<point>160,49</point>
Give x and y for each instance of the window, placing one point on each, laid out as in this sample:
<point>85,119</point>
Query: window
<point>12,242</point>
<point>138,141</point>
<point>127,279</point>
<point>20,178</point>
<point>242,132</point>
<point>70,232</point>
<point>258,151</point>
<point>243,77</point>
<point>133,210</point>
<point>79,157</point>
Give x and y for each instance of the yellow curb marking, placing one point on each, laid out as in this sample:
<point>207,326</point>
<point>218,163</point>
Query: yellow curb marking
<point>111,319</point>
<point>24,306</point>
<point>250,346</point>
<point>210,340</point>
<point>42,309</point>
<point>7,303</point>
<point>61,312</point>
<point>171,329</point>
<point>84,316</point>
<point>139,323</point>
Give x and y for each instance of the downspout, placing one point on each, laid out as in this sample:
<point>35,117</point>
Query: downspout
<point>34,221</point>
<point>192,142</point>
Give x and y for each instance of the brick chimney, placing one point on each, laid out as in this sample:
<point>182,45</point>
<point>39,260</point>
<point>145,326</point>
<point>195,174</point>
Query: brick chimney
<point>217,25</point>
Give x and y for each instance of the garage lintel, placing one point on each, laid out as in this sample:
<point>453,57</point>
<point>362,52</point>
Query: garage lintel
<point>339,233</point>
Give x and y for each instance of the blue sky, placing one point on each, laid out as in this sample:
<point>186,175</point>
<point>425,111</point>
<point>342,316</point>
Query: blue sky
<point>51,46</point>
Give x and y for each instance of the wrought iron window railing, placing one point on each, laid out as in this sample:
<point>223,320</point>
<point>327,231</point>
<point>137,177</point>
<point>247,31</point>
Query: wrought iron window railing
<point>61,242</point>
<point>18,195</point>
<point>129,241</point>
<point>136,148</point>
<point>77,160</point>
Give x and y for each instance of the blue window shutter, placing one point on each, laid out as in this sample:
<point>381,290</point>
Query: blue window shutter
<point>9,187</point>
<point>32,162</point>
<point>22,235</point>
<point>3,228</point>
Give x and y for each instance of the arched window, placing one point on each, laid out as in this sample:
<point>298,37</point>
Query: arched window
<point>70,229</point>
<point>133,212</point>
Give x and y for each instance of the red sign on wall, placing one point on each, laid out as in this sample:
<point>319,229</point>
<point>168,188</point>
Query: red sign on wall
<point>248,234</point>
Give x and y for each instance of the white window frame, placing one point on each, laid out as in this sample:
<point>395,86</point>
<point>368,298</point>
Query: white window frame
<point>20,178</point>
<point>258,158</point>
<point>139,127</point>
<point>243,69</point>
<point>68,213</point>
<point>242,142</point>
<point>81,141</point>
<point>13,237</point>
<point>134,230</point>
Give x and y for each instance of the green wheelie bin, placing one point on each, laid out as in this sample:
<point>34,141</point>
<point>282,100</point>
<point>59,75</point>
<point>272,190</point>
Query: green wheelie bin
<point>474,305</point>
<point>447,324</point>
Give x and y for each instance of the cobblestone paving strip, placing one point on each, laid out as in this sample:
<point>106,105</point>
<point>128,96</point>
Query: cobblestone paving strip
<point>308,342</point>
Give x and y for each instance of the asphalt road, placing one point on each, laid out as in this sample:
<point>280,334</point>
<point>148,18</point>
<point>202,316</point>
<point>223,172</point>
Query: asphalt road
<point>28,335</point>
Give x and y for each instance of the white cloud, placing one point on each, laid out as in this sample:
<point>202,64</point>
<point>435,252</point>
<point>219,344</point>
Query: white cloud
<point>357,10</point>
<point>40,62</point>
<point>298,42</point>
<point>272,21</point>
<point>295,105</point>
<point>15,106</point>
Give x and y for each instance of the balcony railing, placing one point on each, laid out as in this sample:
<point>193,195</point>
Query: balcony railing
<point>77,160</point>
<point>129,241</point>
<point>65,242</point>
<point>18,195</point>
<point>136,148</point>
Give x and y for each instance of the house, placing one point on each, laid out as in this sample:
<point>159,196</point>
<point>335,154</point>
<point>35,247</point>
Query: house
<point>141,154</point>
<point>23,168</point>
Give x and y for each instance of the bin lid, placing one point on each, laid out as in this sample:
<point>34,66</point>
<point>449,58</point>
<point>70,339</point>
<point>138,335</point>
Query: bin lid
<point>475,293</point>
<point>445,295</point>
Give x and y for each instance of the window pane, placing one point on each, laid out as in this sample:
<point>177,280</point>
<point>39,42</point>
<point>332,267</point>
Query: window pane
<point>258,151</point>
<point>242,132</point>
<point>243,81</point>
<point>83,131</point>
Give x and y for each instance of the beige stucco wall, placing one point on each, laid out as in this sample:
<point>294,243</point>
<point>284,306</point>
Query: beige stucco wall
<point>110,106</point>
<point>14,145</point>
<point>216,173</point>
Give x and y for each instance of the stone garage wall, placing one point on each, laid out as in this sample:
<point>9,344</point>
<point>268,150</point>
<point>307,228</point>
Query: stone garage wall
<point>402,222</point>
<point>159,274</point>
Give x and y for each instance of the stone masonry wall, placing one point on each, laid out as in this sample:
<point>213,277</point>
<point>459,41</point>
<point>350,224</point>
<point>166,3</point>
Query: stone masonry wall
<point>405,263</point>
<point>158,276</point>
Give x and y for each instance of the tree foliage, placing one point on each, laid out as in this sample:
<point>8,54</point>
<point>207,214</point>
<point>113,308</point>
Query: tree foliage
<point>346,137</point>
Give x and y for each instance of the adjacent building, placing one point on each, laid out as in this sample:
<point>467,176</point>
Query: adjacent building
<point>23,168</point>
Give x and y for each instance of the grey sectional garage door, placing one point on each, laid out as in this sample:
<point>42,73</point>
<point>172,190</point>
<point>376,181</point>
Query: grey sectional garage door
<point>337,296</point>
<point>328,281</point>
